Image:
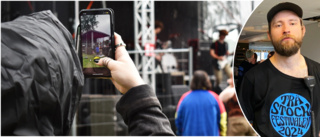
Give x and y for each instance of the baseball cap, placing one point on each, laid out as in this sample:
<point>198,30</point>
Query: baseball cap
<point>284,6</point>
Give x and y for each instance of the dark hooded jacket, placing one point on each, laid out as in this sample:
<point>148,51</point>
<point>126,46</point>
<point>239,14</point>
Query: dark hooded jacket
<point>41,76</point>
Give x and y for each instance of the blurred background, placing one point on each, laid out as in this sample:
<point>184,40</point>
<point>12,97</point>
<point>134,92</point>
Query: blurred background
<point>189,29</point>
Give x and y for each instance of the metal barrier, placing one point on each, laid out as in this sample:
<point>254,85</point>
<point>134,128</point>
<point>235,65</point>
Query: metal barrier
<point>147,65</point>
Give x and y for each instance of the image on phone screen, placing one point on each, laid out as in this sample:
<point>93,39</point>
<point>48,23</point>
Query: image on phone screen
<point>96,41</point>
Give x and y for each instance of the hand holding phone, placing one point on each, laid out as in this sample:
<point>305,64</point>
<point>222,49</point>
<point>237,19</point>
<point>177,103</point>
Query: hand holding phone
<point>124,73</point>
<point>96,41</point>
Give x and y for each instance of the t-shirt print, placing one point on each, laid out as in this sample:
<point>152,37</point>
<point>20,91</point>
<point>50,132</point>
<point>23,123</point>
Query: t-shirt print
<point>290,115</point>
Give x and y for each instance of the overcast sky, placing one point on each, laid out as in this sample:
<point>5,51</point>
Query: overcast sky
<point>104,23</point>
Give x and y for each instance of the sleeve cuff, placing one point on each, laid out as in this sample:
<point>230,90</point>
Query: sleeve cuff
<point>136,99</point>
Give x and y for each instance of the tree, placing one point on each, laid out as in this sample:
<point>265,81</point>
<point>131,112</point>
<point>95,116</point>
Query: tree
<point>88,22</point>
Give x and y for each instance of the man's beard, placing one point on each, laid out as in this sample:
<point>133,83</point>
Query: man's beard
<point>287,48</point>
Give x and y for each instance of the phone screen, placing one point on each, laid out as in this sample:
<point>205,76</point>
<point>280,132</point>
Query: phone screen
<point>96,41</point>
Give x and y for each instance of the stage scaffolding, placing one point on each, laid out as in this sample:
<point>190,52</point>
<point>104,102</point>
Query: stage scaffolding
<point>144,34</point>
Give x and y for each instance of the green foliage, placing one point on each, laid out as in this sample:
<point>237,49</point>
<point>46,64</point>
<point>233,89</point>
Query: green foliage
<point>88,22</point>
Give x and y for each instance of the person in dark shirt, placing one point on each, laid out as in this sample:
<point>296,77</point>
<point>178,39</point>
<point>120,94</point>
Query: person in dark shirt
<point>219,52</point>
<point>245,66</point>
<point>276,95</point>
<point>158,27</point>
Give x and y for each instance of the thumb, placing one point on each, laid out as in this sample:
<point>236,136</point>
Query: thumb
<point>107,62</point>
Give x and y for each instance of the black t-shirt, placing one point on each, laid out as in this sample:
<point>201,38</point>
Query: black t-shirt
<point>278,104</point>
<point>219,48</point>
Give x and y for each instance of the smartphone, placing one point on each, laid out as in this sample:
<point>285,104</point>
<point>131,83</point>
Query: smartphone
<point>96,36</point>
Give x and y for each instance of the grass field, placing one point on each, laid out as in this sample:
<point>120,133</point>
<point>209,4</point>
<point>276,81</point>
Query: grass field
<point>88,61</point>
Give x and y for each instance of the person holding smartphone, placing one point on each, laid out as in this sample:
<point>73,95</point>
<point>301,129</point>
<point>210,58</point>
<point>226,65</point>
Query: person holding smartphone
<point>41,86</point>
<point>139,106</point>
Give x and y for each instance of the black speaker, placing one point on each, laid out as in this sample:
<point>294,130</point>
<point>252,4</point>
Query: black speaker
<point>163,88</point>
<point>204,59</point>
<point>99,86</point>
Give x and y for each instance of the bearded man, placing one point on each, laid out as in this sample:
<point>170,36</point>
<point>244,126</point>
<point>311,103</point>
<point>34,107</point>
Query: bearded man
<point>276,95</point>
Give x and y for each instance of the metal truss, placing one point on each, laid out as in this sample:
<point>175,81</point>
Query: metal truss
<point>144,34</point>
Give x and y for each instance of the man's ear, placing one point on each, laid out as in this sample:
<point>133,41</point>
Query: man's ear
<point>303,30</point>
<point>269,36</point>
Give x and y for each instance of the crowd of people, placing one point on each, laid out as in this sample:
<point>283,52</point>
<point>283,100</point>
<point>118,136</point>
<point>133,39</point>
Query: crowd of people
<point>98,49</point>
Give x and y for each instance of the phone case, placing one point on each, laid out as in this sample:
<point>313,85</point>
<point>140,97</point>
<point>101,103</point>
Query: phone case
<point>91,54</point>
